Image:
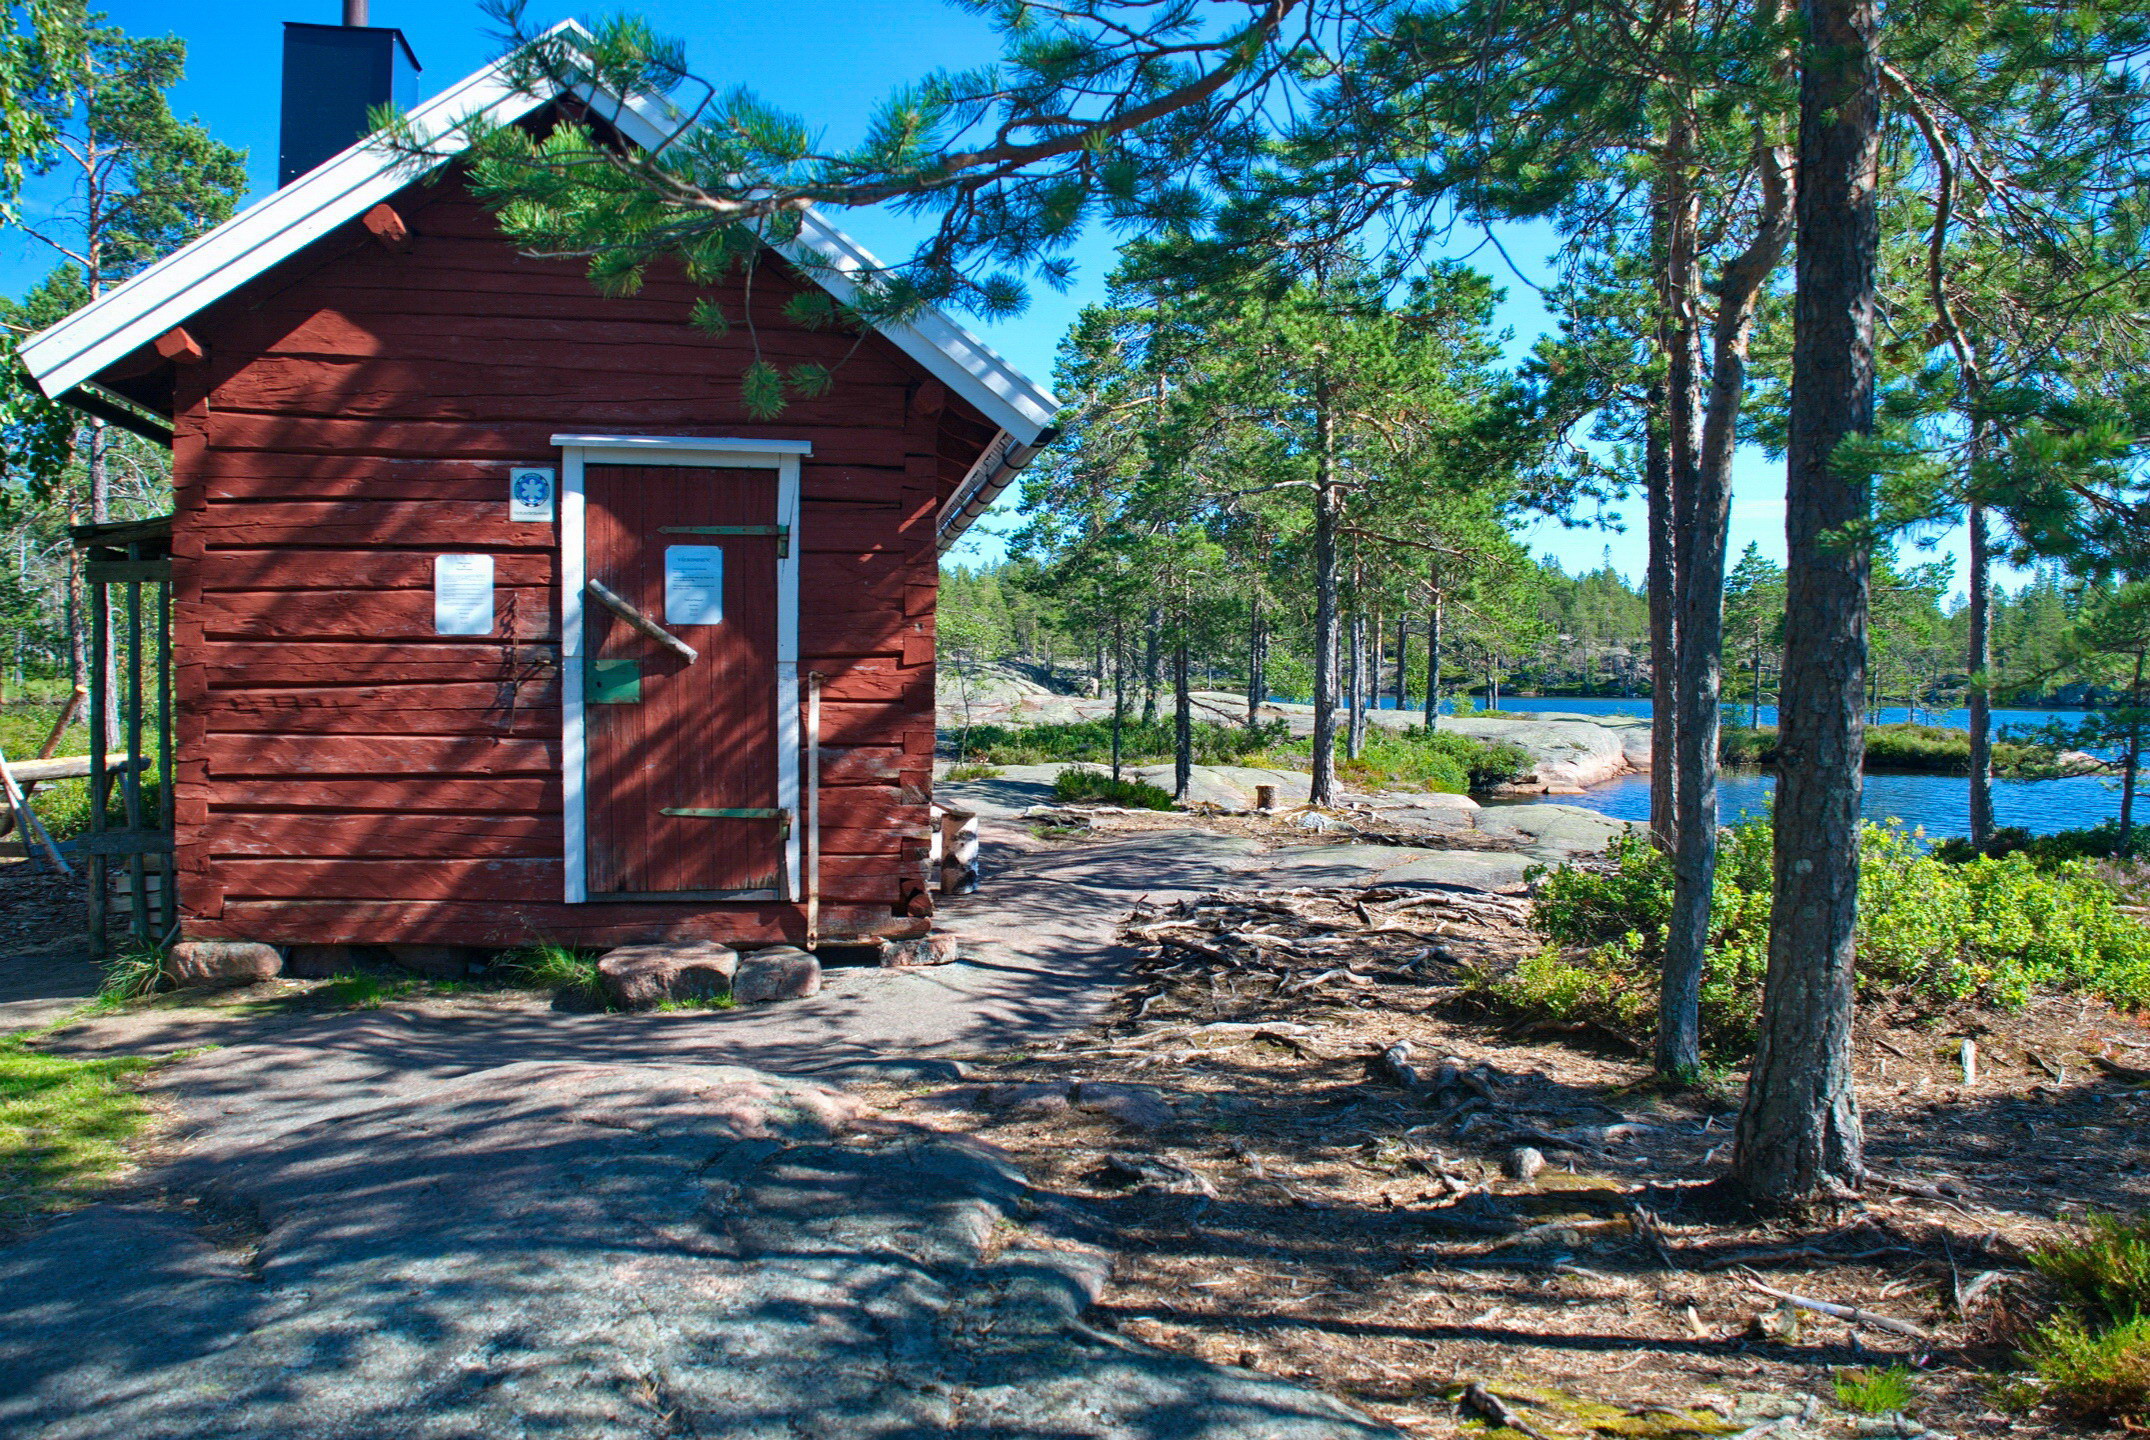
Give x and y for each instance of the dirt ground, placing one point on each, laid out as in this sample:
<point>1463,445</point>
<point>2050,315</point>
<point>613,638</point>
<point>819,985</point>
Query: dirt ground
<point>1278,1198</point>
<point>1279,1204</point>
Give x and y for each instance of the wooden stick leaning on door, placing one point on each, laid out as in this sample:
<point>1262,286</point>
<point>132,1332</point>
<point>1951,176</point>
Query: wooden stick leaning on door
<point>626,610</point>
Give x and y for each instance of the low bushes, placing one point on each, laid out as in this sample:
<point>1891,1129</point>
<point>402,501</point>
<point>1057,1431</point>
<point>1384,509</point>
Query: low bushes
<point>1091,741</point>
<point>2099,842</point>
<point>1077,786</point>
<point>2093,1353</point>
<point>1923,749</point>
<point>1987,929</point>
<point>1437,760</point>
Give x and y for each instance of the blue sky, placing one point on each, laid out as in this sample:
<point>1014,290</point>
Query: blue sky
<point>830,72</point>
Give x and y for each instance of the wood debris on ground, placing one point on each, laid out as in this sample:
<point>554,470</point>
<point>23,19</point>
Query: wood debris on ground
<point>1342,1171</point>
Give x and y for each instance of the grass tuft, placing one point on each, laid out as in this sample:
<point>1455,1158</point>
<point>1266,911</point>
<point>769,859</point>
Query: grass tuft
<point>960,773</point>
<point>570,974</point>
<point>1876,1392</point>
<point>131,974</point>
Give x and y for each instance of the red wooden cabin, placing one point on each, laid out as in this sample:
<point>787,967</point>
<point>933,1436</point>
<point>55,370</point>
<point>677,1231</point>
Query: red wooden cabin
<point>494,610</point>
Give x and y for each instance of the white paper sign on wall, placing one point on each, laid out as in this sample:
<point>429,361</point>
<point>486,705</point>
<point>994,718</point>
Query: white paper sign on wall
<point>693,585</point>
<point>530,492</point>
<point>462,594</point>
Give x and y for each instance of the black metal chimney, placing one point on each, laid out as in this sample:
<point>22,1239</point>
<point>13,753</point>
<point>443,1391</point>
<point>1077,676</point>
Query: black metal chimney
<point>334,75</point>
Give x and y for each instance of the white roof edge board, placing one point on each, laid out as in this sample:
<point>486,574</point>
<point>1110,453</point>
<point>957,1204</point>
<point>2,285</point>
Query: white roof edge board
<point>340,189</point>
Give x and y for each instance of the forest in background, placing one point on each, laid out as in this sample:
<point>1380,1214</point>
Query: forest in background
<point>1559,634</point>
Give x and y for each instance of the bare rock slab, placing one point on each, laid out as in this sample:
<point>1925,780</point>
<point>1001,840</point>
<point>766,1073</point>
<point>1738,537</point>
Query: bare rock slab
<point>781,972</point>
<point>221,963</point>
<point>641,977</point>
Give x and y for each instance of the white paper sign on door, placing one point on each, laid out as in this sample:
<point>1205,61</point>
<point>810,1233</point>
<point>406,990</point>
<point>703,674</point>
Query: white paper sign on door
<point>462,594</point>
<point>693,585</point>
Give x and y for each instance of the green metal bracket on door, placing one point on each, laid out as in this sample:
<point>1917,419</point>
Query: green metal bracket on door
<point>781,532</point>
<point>612,682</point>
<point>783,816</point>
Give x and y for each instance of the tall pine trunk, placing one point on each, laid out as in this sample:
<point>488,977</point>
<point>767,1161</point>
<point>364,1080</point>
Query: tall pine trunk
<point>1433,647</point>
<point>1704,513</point>
<point>1981,696</point>
<point>1328,500</point>
<point>2131,759</point>
<point>1355,685</point>
<point>1799,1139</point>
<point>1657,489</point>
<point>1257,659</point>
<point>1182,715</point>
<point>1150,673</point>
<point>1403,662</point>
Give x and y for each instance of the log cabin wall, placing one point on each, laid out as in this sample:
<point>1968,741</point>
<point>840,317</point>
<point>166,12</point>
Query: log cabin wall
<point>345,775</point>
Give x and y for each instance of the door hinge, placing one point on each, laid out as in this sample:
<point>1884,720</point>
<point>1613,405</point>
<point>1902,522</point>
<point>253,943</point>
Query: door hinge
<point>783,817</point>
<point>781,532</point>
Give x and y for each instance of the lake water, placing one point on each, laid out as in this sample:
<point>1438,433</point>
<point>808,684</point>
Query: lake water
<point>1938,804</point>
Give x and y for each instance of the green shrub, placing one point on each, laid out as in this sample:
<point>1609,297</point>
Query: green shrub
<point>2092,1373</point>
<point>1140,744</point>
<point>2099,842</point>
<point>1876,1392</point>
<point>2105,1275</point>
<point>1990,929</point>
<point>1078,786</point>
<point>959,773</point>
<point>1924,749</point>
<point>1440,760</point>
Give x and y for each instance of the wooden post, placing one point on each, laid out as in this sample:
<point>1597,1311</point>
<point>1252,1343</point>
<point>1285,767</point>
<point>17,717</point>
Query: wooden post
<point>167,865</point>
<point>959,852</point>
<point>100,703</point>
<point>131,781</point>
<point>813,808</point>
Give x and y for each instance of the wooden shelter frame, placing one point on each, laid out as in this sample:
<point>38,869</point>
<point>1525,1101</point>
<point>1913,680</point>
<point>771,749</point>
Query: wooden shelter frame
<point>136,556</point>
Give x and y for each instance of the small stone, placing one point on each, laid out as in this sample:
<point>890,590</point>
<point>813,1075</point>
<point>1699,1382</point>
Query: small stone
<point>641,977</point>
<point>221,962</point>
<point>928,950</point>
<point>1522,1163</point>
<point>781,972</point>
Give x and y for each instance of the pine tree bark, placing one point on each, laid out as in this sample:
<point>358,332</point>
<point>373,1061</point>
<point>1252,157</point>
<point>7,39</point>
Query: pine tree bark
<point>1403,662</point>
<point>1799,1139</point>
<point>1256,662</point>
<point>1657,490</point>
<point>1433,648</point>
<point>1182,715</point>
<point>1981,696</point>
<point>1355,685</point>
<point>1151,679</point>
<point>1328,501</point>
<point>1703,502</point>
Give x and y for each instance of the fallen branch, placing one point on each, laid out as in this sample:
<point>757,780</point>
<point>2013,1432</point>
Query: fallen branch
<point>1849,1313</point>
<point>1499,1411</point>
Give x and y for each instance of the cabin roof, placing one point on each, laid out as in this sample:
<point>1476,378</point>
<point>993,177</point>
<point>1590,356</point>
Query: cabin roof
<point>344,187</point>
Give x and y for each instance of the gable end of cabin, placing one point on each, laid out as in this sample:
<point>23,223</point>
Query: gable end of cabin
<point>360,762</point>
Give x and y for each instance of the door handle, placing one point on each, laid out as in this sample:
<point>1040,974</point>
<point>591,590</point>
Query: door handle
<point>626,610</point>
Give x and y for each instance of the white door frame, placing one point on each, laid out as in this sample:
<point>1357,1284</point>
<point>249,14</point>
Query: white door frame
<point>577,451</point>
